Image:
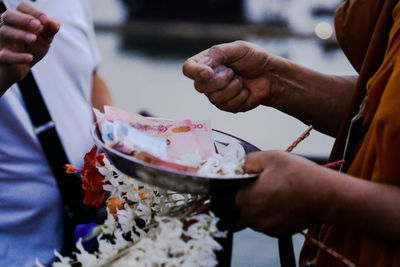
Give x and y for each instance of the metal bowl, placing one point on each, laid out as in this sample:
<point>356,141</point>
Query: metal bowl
<point>178,181</point>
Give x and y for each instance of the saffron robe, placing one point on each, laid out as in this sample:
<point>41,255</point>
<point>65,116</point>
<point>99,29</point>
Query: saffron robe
<point>369,34</point>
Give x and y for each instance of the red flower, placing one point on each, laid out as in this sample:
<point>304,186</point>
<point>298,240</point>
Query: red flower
<point>92,181</point>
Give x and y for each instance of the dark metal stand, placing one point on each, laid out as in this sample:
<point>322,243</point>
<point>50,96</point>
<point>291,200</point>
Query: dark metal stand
<point>286,252</point>
<point>223,206</point>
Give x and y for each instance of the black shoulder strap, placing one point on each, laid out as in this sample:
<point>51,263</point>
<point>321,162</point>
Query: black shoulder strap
<point>70,186</point>
<point>46,132</point>
<point>2,7</point>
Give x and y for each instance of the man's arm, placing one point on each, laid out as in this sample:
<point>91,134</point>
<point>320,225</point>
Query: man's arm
<point>285,200</point>
<point>315,98</point>
<point>100,94</point>
<point>239,76</point>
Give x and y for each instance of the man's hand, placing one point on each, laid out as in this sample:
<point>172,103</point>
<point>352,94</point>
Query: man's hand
<point>233,76</point>
<point>293,193</point>
<point>286,198</point>
<point>25,37</point>
<point>239,76</point>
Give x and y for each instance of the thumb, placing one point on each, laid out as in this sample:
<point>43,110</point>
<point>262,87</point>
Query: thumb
<point>50,29</point>
<point>227,53</point>
<point>255,162</point>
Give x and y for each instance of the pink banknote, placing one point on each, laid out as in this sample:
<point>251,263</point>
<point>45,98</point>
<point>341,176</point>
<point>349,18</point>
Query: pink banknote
<point>183,137</point>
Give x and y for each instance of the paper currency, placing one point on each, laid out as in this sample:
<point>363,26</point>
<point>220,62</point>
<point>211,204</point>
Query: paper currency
<point>149,158</point>
<point>123,137</point>
<point>183,145</point>
<point>183,137</point>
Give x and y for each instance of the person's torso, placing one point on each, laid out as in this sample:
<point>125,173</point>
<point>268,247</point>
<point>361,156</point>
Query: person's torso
<point>30,203</point>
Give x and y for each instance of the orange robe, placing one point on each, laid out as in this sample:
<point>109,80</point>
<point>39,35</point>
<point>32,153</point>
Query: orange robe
<point>369,33</point>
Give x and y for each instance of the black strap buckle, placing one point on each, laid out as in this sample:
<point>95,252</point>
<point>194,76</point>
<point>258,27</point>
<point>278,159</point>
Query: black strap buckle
<point>44,127</point>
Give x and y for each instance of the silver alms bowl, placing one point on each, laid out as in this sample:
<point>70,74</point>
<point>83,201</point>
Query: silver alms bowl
<point>178,181</point>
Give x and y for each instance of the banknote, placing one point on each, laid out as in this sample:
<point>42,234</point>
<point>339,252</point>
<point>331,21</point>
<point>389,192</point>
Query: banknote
<point>123,137</point>
<point>150,158</point>
<point>204,137</point>
<point>183,136</point>
<point>183,145</point>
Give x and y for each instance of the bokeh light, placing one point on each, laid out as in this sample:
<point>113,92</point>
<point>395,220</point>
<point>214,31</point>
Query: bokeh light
<point>323,30</point>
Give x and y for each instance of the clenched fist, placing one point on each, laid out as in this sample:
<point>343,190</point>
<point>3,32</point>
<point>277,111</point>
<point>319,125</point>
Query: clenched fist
<point>25,37</point>
<point>234,76</point>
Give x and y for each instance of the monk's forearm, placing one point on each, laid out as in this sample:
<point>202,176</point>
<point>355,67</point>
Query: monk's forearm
<point>314,98</point>
<point>362,205</point>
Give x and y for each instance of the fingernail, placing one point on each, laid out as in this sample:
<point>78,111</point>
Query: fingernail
<point>28,57</point>
<point>33,24</point>
<point>43,18</point>
<point>205,61</point>
<point>30,37</point>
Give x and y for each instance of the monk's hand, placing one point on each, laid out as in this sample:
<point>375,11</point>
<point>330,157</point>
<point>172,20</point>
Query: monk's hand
<point>285,198</point>
<point>25,37</point>
<point>234,76</point>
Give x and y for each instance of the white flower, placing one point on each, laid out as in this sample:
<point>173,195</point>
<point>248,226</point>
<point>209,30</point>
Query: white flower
<point>110,224</point>
<point>120,242</point>
<point>162,240</point>
<point>106,250</point>
<point>229,161</point>
<point>169,228</point>
<point>126,218</point>
<point>63,261</point>
<point>84,257</point>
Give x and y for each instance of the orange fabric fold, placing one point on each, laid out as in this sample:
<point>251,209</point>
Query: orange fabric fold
<point>375,157</point>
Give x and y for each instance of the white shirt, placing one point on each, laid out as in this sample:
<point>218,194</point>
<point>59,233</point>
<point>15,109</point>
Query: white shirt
<point>30,203</point>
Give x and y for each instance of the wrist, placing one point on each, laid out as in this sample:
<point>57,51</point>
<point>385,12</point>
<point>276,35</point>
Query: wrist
<point>273,75</point>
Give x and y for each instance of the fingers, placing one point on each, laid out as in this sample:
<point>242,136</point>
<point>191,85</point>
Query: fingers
<point>235,104</point>
<point>221,78</point>
<point>196,68</point>
<point>18,27</point>
<point>49,26</point>
<point>50,29</point>
<point>256,95</point>
<point>200,67</point>
<point>20,20</point>
<point>22,24</point>
<point>11,34</point>
<point>10,57</point>
<point>27,17</point>
<point>244,200</point>
<point>220,97</point>
<point>27,30</point>
<point>231,75</point>
<point>28,8</point>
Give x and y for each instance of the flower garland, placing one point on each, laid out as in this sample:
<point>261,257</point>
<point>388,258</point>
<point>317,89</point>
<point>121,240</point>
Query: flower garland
<point>145,226</point>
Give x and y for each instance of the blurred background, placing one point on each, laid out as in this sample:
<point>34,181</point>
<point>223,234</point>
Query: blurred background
<point>144,43</point>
